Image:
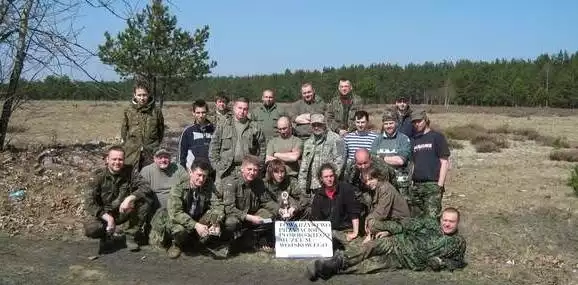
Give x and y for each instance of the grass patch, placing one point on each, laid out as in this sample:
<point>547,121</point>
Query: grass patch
<point>570,155</point>
<point>573,181</point>
<point>454,144</point>
<point>465,132</point>
<point>486,147</point>
<point>531,134</point>
<point>483,140</point>
<point>498,140</point>
<point>16,129</point>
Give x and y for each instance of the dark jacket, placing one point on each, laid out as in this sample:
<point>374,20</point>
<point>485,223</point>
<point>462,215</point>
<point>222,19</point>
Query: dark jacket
<point>404,124</point>
<point>194,143</point>
<point>339,211</point>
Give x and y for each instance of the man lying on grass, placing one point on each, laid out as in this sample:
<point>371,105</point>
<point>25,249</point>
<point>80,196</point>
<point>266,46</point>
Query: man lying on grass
<point>422,243</point>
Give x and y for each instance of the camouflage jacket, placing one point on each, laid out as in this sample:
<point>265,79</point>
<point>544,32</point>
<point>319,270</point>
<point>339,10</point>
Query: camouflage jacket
<point>341,116</point>
<point>221,118</point>
<point>267,119</point>
<point>296,199</point>
<point>421,239</point>
<point>223,144</point>
<point>385,203</point>
<point>187,204</point>
<point>241,198</point>
<point>301,107</point>
<point>106,190</point>
<point>143,129</point>
<point>329,148</point>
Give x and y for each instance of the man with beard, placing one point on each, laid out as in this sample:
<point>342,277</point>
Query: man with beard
<point>404,116</point>
<point>196,138</point>
<point>323,146</point>
<point>285,147</point>
<point>142,128</point>
<point>304,108</point>
<point>394,147</point>
<point>418,245</point>
<point>267,114</point>
<point>116,195</point>
<point>342,108</point>
<point>431,165</point>
<point>248,205</point>
<point>237,137</point>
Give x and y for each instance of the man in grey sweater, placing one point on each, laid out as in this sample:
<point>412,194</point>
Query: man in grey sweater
<point>162,175</point>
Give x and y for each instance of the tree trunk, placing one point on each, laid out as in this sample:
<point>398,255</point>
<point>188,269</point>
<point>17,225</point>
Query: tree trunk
<point>19,58</point>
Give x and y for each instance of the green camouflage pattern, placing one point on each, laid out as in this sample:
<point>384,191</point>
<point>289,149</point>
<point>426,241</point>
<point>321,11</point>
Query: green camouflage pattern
<point>106,191</point>
<point>413,247</point>
<point>330,148</point>
<point>241,198</point>
<point>223,145</point>
<point>387,205</point>
<point>352,175</point>
<point>220,118</point>
<point>340,116</point>
<point>142,131</point>
<point>426,199</point>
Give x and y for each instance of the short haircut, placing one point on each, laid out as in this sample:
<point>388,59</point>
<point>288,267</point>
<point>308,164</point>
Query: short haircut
<point>344,79</point>
<point>141,84</point>
<point>270,90</point>
<point>325,166</point>
<point>452,210</point>
<point>200,104</point>
<point>251,159</point>
<point>273,166</point>
<point>361,114</point>
<point>222,95</point>
<point>242,99</point>
<point>200,164</point>
<point>113,148</point>
<point>306,84</point>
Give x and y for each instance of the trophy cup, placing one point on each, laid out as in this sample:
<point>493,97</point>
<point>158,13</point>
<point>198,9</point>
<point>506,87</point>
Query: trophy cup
<point>285,205</point>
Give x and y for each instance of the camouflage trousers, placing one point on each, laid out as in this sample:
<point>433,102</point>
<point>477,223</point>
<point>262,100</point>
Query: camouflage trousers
<point>426,200</point>
<point>376,226</point>
<point>376,255</point>
<point>403,184</point>
<point>246,235</point>
<point>95,227</point>
<point>164,231</point>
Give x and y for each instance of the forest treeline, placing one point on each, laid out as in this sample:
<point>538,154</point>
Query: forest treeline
<point>548,80</point>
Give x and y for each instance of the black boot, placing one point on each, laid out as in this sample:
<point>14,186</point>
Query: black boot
<point>324,269</point>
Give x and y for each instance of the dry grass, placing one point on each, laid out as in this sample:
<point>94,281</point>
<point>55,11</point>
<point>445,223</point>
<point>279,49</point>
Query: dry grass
<point>570,155</point>
<point>518,218</point>
<point>573,180</point>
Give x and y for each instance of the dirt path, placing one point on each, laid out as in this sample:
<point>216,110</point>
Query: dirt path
<point>26,261</point>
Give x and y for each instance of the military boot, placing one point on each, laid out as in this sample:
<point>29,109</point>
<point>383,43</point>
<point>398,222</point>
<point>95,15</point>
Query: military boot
<point>324,269</point>
<point>174,251</point>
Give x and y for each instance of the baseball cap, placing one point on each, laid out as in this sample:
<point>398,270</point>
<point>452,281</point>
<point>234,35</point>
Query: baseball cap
<point>389,115</point>
<point>418,115</point>
<point>162,151</point>
<point>401,99</point>
<point>317,118</point>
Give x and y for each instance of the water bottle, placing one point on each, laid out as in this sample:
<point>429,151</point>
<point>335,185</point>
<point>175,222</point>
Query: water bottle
<point>17,195</point>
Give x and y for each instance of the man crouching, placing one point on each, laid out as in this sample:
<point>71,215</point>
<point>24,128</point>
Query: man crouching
<point>116,195</point>
<point>194,214</point>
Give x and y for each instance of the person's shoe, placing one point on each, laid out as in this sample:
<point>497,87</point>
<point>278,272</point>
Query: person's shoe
<point>174,252</point>
<point>132,245</point>
<point>312,270</point>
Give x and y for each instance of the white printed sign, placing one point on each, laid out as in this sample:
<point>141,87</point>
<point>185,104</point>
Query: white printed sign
<point>303,239</point>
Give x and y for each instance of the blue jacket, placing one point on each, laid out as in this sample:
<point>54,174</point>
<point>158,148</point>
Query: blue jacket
<point>194,143</point>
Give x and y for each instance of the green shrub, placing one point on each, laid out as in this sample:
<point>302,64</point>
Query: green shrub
<point>573,181</point>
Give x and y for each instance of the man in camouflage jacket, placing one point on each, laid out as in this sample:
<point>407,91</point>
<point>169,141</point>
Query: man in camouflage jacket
<point>423,243</point>
<point>323,146</point>
<point>194,212</point>
<point>237,137</point>
<point>115,195</point>
<point>142,129</point>
<point>342,108</point>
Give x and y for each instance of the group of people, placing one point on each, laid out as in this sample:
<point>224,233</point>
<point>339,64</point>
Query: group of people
<point>241,170</point>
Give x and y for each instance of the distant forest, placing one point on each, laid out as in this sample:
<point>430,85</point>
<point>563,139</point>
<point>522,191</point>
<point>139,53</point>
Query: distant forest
<point>547,81</point>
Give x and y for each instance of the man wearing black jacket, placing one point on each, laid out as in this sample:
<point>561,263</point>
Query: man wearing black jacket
<point>335,201</point>
<point>195,139</point>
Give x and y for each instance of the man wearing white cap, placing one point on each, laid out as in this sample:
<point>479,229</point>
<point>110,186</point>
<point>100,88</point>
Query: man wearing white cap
<point>323,146</point>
